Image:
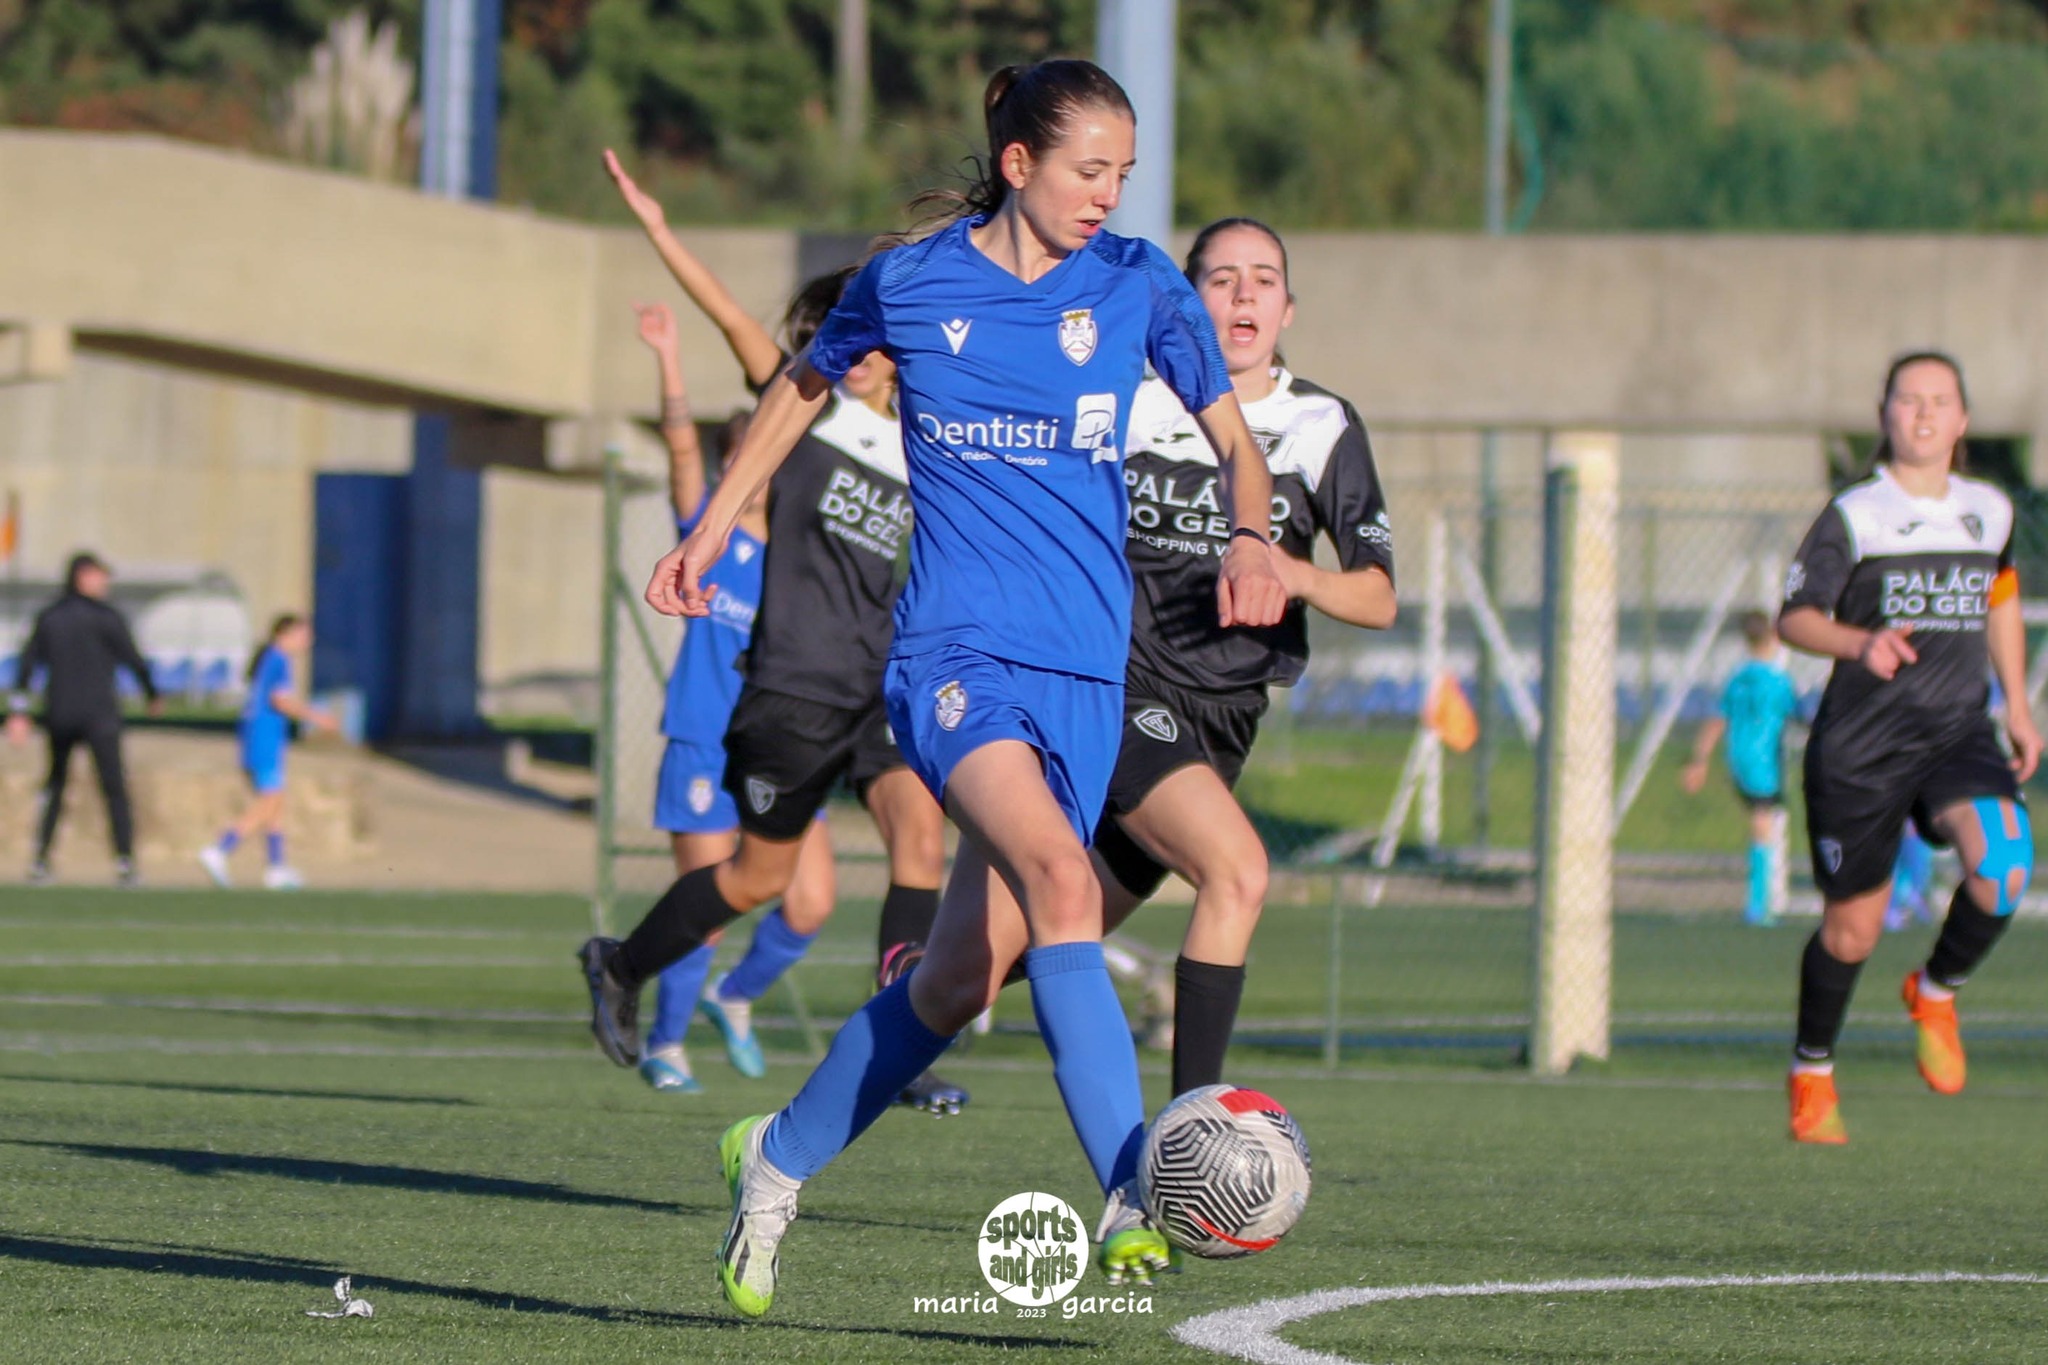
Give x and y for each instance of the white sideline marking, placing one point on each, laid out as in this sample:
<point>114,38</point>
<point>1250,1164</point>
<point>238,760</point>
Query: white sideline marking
<point>57,1044</point>
<point>1248,1333</point>
<point>265,960</point>
<point>269,927</point>
<point>325,1008</point>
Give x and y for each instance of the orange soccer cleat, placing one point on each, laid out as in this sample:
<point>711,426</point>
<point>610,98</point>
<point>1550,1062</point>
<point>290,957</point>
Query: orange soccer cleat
<point>1941,1040</point>
<point>1816,1113</point>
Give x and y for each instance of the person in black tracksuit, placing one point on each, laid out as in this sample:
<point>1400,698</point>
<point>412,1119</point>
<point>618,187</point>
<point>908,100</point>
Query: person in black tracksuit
<point>79,641</point>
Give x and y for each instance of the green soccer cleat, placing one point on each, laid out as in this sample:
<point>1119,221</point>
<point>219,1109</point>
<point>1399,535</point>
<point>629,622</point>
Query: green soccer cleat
<point>1127,1246</point>
<point>763,1207</point>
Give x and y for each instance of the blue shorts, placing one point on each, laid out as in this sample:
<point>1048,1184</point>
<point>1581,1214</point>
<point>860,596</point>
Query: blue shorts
<point>690,796</point>
<point>948,702</point>
<point>264,768</point>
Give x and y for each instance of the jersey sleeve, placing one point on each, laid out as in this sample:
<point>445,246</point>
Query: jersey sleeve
<point>1820,571</point>
<point>127,655</point>
<point>276,672</point>
<point>1349,502</point>
<point>1180,340</point>
<point>853,329</point>
<point>685,525</point>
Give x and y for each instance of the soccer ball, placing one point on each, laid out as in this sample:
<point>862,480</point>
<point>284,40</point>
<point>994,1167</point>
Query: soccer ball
<point>1225,1172</point>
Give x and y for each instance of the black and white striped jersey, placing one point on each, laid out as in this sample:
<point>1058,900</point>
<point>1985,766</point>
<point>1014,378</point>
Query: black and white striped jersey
<point>1323,481</point>
<point>1877,557</point>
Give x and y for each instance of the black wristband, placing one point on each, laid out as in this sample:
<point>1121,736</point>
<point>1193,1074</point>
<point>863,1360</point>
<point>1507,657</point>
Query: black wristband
<point>1253,532</point>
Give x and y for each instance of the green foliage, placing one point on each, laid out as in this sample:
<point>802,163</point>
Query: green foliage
<point>1646,114</point>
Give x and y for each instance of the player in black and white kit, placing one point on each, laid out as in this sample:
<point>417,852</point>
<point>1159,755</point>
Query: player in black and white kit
<point>810,712</point>
<point>1907,582</point>
<point>1195,690</point>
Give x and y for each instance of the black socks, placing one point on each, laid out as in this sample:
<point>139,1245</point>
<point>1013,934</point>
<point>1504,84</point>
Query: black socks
<point>689,912</point>
<point>1205,1000</point>
<point>1966,936</point>
<point>907,915</point>
<point>1825,985</point>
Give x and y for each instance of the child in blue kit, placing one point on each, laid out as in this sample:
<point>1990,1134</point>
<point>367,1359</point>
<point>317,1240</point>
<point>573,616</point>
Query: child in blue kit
<point>264,735</point>
<point>1757,703</point>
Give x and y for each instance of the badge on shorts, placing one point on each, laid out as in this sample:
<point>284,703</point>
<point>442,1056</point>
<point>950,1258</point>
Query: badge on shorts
<point>1077,334</point>
<point>700,795</point>
<point>1830,855</point>
<point>1159,723</point>
<point>952,705</point>
<point>759,795</point>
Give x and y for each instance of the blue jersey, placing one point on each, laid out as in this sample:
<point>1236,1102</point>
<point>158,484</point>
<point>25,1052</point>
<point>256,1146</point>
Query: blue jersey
<point>1015,398</point>
<point>264,730</point>
<point>704,685</point>
<point>1757,702</point>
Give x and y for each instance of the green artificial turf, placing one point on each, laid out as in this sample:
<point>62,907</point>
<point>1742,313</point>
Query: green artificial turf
<point>211,1105</point>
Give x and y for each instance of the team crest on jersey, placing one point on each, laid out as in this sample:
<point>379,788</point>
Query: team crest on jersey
<point>951,707</point>
<point>1795,578</point>
<point>1830,854</point>
<point>1974,524</point>
<point>1159,723</point>
<point>759,795</point>
<point>1077,334</point>
<point>700,795</point>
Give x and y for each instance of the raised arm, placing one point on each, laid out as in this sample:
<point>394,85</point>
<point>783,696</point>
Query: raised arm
<point>685,454</point>
<point>792,402</point>
<point>1248,591</point>
<point>752,344</point>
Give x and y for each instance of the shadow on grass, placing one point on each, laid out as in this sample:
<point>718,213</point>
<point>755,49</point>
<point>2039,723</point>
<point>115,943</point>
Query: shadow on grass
<point>156,1258</point>
<point>317,1171</point>
<point>366,1097</point>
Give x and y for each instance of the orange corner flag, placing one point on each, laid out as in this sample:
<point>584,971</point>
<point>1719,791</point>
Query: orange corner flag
<point>10,527</point>
<point>1450,714</point>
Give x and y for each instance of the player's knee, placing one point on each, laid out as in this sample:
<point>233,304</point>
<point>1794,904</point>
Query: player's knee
<point>2008,861</point>
<point>1062,897</point>
<point>917,853</point>
<point>948,1001</point>
<point>748,884</point>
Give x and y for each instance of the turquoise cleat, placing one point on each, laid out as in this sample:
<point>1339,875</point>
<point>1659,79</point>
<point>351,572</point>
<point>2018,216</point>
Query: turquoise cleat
<point>734,1020</point>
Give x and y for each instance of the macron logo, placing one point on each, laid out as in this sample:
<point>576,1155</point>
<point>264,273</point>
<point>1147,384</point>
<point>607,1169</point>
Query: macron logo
<point>956,332</point>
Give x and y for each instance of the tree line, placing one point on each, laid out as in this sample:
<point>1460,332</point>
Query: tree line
<point>1628,114</point>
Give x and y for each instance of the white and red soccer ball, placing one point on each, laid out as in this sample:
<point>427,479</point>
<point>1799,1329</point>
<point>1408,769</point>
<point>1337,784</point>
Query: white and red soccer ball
<point>1225,1172</point>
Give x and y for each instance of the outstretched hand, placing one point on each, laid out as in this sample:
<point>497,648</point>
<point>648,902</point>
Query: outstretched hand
<point>677,587</point>
<point>645,206</point>
<point>657,326</point>
<point>1249,591</point>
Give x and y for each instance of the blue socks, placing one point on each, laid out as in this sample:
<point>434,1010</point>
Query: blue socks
<point>774,950</point>
<point>1093,1059</point>
<point>230,841</point>
<point>274,842</point>
<point>881,1049</point>
<point>676,995</point>
<point>1759,882</point>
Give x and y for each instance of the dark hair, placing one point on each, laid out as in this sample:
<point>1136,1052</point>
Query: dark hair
<point>283,623</point>
<point>1959,459</point>
<point>810,304</point>
<point>80,562</point>
<point>1757,626</point>
<point>1030,104</point>
<point>1192,266</point>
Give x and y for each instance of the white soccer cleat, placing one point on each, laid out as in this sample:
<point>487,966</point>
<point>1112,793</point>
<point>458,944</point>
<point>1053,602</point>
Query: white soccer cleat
<point>216,864</point>
<point>763,1207</point>
<point>282,878</point>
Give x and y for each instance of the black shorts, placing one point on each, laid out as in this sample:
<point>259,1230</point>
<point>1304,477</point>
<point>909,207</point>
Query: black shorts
<point>1856,816</point>
<point>1167,728</point>
<point>784,754</point>
<point>1752,801</point>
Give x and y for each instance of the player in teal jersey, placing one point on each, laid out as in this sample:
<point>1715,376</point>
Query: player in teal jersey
<point>1757,703</point>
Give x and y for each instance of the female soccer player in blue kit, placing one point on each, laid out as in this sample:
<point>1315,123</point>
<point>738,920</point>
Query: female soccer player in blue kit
<point>265,734</point>
<point>1020,333</point>
<point>690,801</point>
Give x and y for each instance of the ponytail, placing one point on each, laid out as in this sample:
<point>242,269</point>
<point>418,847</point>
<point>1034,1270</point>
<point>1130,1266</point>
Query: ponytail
<point>277,627</point>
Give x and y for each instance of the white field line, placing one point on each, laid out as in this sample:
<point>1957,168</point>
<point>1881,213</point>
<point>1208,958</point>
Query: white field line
<point>268,960</point>
<point>57,1044</point>
<point>325,1008</point>
<point>1249,1333</point>
<point>329,927</point>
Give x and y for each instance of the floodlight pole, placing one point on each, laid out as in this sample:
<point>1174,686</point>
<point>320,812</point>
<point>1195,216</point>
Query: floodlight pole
<point>1500,59</point>
<point>850,57</point>
<point>1135,41</point>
